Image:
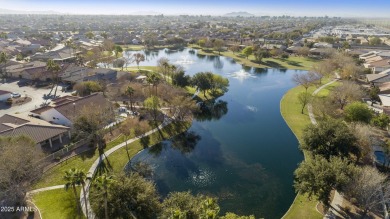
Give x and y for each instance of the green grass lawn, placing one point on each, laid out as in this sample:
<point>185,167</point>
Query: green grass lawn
<point>85,160</point>
<point>57,204</point>
<point>293,62</point>
<point>290,109</point>
<point>133,47</point>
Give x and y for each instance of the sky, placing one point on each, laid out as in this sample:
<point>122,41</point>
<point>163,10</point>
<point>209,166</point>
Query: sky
<point>342,8</point>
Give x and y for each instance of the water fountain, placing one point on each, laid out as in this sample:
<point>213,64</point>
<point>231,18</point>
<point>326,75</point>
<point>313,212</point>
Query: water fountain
<point>185,60</point>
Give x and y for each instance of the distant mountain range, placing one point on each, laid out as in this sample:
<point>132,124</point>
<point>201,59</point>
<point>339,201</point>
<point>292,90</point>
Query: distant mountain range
<point>240,13</point>
<point>7,11</point>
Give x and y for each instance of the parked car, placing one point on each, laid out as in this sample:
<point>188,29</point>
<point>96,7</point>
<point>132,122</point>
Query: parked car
<point>15,95</point>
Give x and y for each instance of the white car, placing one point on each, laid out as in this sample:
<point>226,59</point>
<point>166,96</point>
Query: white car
<point>15,95</point>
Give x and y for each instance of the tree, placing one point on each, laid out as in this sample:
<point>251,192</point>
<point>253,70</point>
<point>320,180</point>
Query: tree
<point>202,81</point>
<point>118,49</point>
<point>138,57</point>
<point>153,105</point>
<point>369,189</point>
<point>54,68</point>
<point>358,112</point>
<point>382,121</point>
<point>318,176</point>
<point>375,41</point>
<point>328,138</point>
<point>219,84</point>
<point>89,35</point>
<point>4,60</point>
<point>128,196</point>
<point>71,180</point>
<point>130,92</point>
<point>259,55</point>
<point>346,93</point>
<point>181,204</point>
<point>181,79</point>
<point>20,165</point>
<point>323,68</point>
<point>305,80</point>
<point>304,98</point>
<point>247,51</point>
<point>89,124</point>
<point>218,45</point>
<point>351,71</point>
<point>235,48</point>
<point>85,88</point>
<point>374,91</point>
<point>230,215</point>
<point>183,107</point>
<point>102,184</point>
<point>125,128</point>
<point>303,51</point>
<point>153,79</point>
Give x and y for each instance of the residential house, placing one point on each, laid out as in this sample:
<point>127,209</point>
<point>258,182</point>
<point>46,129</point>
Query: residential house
<point>380,65</point>
<point>61,55</point>
<point>42,132</point>
<point>64,109</point>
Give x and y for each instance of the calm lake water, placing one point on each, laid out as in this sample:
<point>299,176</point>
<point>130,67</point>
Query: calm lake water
<point>241,151</point>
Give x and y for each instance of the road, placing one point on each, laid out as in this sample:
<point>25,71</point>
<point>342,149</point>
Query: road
<point>36,94</point>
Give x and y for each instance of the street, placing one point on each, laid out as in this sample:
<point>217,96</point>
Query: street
<point>36,95</point>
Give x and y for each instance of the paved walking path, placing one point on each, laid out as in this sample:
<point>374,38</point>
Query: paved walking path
<point>337,201</point>
<point>45,189</point>
<point>309,106</point>
<point>99,160</point>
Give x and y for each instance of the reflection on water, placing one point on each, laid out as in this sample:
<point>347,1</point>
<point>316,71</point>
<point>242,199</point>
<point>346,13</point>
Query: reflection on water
<point>238,148</point>
<point>211,110</point>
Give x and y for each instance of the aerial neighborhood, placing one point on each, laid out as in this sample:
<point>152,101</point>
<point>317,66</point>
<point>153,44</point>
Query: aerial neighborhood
<point>164,108</point>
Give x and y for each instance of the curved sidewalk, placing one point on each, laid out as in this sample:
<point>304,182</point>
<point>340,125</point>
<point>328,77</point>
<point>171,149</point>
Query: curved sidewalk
<point>337,199</point>
<point>99,160</point>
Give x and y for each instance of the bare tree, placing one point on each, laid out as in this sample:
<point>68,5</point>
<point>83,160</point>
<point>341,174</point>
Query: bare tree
<point>363,133</point>
<point>369,188</point>
<point>184,107</point>
<point>305,80</point>
<point>346,93</point>
<point>19,166</point>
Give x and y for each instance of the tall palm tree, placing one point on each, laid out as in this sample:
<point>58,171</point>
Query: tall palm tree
<point>130,92</point>
<point>55,69</point>
<point>3,60</point>
<point>102,183</point>
<point>154,80</point>
<point>73,178</point>
<point>81,178</point>
<point>71,182</point>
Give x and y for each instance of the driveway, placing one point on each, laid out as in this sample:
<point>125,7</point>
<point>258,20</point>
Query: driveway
<point>36,95</point>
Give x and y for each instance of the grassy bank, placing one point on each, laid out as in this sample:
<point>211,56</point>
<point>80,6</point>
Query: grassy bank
<point>292,62</point>
<point>57,204</point>
<point>290,109</point>
<point>85,160</point>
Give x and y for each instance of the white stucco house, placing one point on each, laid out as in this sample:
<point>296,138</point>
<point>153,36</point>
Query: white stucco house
<point>64,109</point>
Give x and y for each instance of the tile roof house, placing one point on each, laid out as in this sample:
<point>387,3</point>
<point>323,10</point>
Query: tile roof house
<point>40,131</point>
<point>64,109</point>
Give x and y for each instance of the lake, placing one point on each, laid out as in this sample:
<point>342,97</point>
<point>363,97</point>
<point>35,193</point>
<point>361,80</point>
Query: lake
<point>241,150</point>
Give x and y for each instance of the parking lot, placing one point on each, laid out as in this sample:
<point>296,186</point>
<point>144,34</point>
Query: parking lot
<point>36,94</point>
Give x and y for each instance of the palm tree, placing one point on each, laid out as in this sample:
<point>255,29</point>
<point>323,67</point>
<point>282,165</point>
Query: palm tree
<point>81,178</point>
<point>55,69</point>
<point>3,60</point>
<point>75,177</point>
<point>154,80</point>
<point>130,92</point>
<point>102,183</point>
<point>71,182</point>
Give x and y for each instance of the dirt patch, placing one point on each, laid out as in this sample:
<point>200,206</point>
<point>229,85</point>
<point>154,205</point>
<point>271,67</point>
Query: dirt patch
<point>20,101</point>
